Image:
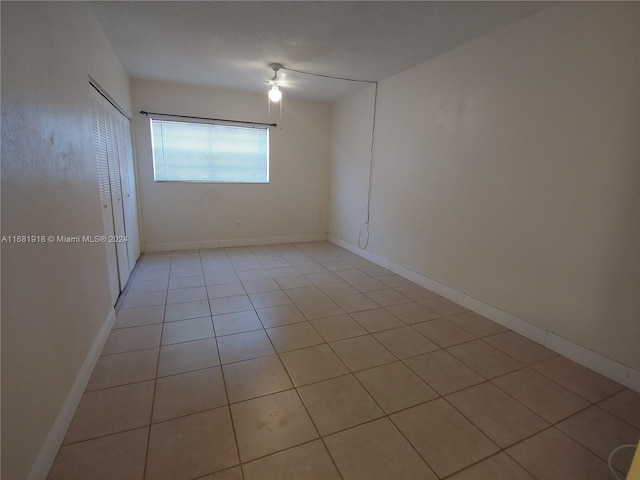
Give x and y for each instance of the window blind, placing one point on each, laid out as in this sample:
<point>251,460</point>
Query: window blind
<point>201,152</point>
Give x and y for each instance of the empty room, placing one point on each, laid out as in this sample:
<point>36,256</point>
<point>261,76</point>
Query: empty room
<point>320,240</point>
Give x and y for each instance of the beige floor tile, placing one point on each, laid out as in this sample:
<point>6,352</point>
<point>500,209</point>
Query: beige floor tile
<point>377,320</point>
<point>252,275</point>
<point>186,282</point>
<point>339,289</point>
<point>226,290</point>
<point>311,267</point>
<point>124,368</point>
<point>338,327</point>
<point>520,348</point>
<point>187,330</point>
<point>217,277</point>
<point>337,265</point>
<point>338,403</point>
<point>154,261</point>
<point>275,263</point>
<point>312,364</point>
<point>186,269</point>
<point>187,393</point>
<point>376,450</point>
<point>500,417</point>
<point>323,278</point>
<point>295,281</point>
<point>416,292</point>
<point>443,333</point>
<point>269,299</point>
<point>292,337</point>
<point>476,325</point>
<point>148,299</point>
<point>191,446</point>
<point>580,380</point>
<point>375,270</point>
<point>388,297</point>
<point>280,315</point>
<point>319,308</point>
<point>184,311</point>
<point>239,303</point>
<point>111,410</point>
<point>244,346</point>
<point>545,397</point>
<point>624,405</point>
<point>551,455</point>
<point>183,295</point>
<point>355,303</point>
<point>188,356</point>
<point>234,473</point>
<point>238,322</point>
<point>219,265</point>
<point>155,274</point>
<point>352,274</point>
<point>395,387</point>
<point>498,467</point>
<point>484,359</point>
<point>405,342</point>
<point>283,272</point>
<point>309,462</point>
<point>394,280</point>
<point>299,260</point>
<point>255,377</point>
<point>224,278</point>
<point>261,286</point>
<point>358,353</point>
<point>443,372</point>
<point>367,284</point>
<point>361,263</point>
<point>442,306</point>
<point>601,432</point>
<point>272,423</point>
<point>411,313</point>
<point>305,294</point>
<point>247,265</point>
<point>115,456</point>
<point>443,437</point>
<point>132,338</point>
<point>136,317</point>
<point>148,286</point>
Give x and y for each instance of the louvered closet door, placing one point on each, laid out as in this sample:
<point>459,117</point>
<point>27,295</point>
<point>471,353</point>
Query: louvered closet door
<point>129,193</point>
<point>114,138</point>
<point>99,126</point>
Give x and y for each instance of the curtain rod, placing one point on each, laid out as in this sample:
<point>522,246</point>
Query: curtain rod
<point>210,119</point>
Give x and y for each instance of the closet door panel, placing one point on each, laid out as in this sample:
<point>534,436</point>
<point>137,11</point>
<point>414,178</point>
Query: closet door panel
<point>116,193</point>
<point>99,127</point>
<point>129,193</point>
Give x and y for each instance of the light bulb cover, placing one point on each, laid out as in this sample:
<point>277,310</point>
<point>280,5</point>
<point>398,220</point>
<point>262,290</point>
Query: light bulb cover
<point>275,94</point>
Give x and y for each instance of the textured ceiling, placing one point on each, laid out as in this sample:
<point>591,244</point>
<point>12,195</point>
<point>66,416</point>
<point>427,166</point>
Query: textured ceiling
<point>229,44</point>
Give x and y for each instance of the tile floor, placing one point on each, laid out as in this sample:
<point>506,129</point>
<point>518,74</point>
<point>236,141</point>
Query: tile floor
<point>305,361</point>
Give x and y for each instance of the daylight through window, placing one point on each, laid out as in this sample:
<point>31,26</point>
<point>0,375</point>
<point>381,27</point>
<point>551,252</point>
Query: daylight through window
<point>201,152</point>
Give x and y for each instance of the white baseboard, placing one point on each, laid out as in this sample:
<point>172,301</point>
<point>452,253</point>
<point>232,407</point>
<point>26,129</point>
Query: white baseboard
<point>233,242</point>
<point>49,450</point>
<point>579,354</point>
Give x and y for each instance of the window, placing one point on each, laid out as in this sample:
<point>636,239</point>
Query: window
<point>201,152</point>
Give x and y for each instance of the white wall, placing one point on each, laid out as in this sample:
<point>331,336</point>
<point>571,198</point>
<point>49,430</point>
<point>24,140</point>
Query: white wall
<point>55,297</point>
<point>508,170</point>
<point>292,206</point>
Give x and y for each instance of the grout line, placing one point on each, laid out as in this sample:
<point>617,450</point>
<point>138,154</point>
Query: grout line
<point>226,392</point>
<point>153,399</point>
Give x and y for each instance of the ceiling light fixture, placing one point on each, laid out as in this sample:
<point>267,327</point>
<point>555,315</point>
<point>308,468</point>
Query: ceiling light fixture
<point>275,94</point>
